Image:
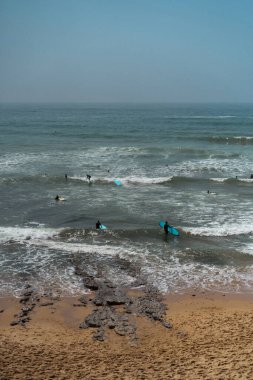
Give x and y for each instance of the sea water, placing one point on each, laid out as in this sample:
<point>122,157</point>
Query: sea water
<point>167,158</point>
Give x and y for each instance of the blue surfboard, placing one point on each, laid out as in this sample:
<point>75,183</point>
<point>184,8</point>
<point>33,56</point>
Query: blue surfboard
<point>171,229</point>
<point>102,227</point>
<point>117,182</point>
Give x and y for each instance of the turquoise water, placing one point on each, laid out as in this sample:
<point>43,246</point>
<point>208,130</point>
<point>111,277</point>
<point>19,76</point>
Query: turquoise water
<point>166,157</point>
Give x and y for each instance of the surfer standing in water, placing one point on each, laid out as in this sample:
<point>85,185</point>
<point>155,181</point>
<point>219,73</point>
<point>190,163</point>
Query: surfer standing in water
<point>98,224</point>
<point>88,177</point>
<point>166,225</point>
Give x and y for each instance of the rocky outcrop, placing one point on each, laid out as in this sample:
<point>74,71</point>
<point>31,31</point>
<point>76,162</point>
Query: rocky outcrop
<point>114,308</point>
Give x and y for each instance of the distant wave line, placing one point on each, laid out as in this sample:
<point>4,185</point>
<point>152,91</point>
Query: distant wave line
<point>242,140</point>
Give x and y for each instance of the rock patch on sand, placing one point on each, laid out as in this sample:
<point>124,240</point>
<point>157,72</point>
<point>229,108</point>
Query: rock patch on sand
<point>114,308</point>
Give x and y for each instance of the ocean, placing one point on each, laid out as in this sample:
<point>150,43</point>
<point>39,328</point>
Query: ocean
<point>166,156</point>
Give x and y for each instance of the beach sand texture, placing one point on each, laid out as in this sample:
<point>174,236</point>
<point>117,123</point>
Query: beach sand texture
<point>211,338</point>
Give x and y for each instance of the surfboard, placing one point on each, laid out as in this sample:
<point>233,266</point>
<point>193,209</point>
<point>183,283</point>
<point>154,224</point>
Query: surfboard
<point>117,182</point>
<point>171,229</point>
<point>102,227</point>
<point>62,199</point>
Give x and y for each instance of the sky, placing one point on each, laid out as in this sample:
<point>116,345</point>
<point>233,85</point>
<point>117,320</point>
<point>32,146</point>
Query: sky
<point>126,51</point>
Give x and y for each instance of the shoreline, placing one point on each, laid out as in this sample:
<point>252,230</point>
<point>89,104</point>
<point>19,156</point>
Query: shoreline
<point>210,337</point>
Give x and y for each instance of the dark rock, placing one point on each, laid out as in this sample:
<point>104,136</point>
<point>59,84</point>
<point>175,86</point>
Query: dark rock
<point>109,284</point>
<point>78,305</point>
<point>110,296</point>
<point>24,319</point>
<point>150,306</point>
<point>1,311</point>
<point>155,311</point>
<point>83,325</point>
<point>46,303</point>
<point>20,315</point>
<point>27,309</point>
<point>111,324</point>
<point>124,329</point>
<point>98,301</point>
<point>35,298</point>
<point>117,298</point>
<point>24,299</point>
<point>27,286</point>
<point>98,317</point>
<point>14,323</point>
<point>99,335</point>
<point>167,325</point>
<point>128,310</point>
<point>105,316</point>
<point>93,320</point>
<point>83,299</point>
<point>90,283</point>
<point>137,283</point>
<point>153,294</point>
<point>27,293</point>
<point>24,311</point>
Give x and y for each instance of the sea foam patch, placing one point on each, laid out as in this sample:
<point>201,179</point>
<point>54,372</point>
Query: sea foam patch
<point>221,230</point>
<point>20,234</point>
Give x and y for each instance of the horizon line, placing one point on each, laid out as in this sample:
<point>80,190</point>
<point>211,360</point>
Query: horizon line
<point>127,102</point>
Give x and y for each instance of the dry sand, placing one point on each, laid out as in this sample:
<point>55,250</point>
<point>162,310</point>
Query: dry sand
<point>211,338</point>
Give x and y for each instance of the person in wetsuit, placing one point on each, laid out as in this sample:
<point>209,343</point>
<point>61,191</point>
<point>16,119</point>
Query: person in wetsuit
<point>88,177</point>
<point>98,224</point>
<point>165,227</point>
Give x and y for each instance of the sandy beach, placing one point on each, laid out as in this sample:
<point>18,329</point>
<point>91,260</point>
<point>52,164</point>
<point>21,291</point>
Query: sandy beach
<point>210,338</point>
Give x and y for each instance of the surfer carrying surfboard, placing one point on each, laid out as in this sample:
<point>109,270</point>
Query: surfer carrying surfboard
<point>169,228</point>
<point>98,224</point>
<point>165,227</point>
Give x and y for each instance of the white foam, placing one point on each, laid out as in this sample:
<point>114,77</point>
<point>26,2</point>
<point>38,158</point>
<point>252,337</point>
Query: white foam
<point>226,229</point>
<point>242,137</point>
<point>248,249</point>
<point>219,179</point>
<point>21,234</point>
<point>177,275</point>
<point>249,180</point>
<point>145,180</point>
<point>202,117</point>
<point>225,167</point>
<point>126,180</point>
<point>101,249</point>
<point>18,161</point>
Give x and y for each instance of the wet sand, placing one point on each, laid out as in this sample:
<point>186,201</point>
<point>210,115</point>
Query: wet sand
<point>211,338</point>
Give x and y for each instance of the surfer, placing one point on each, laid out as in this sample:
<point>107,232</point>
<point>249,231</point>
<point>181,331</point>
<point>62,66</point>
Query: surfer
<point>251,177</point>
<point>88,177</point>
<point>98,224</point>
<point>57,198</point>
<point>166,225</point>
<point>66,176</point>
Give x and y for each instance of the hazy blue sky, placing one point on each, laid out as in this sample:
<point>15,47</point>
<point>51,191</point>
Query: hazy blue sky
<point>126,50</point>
